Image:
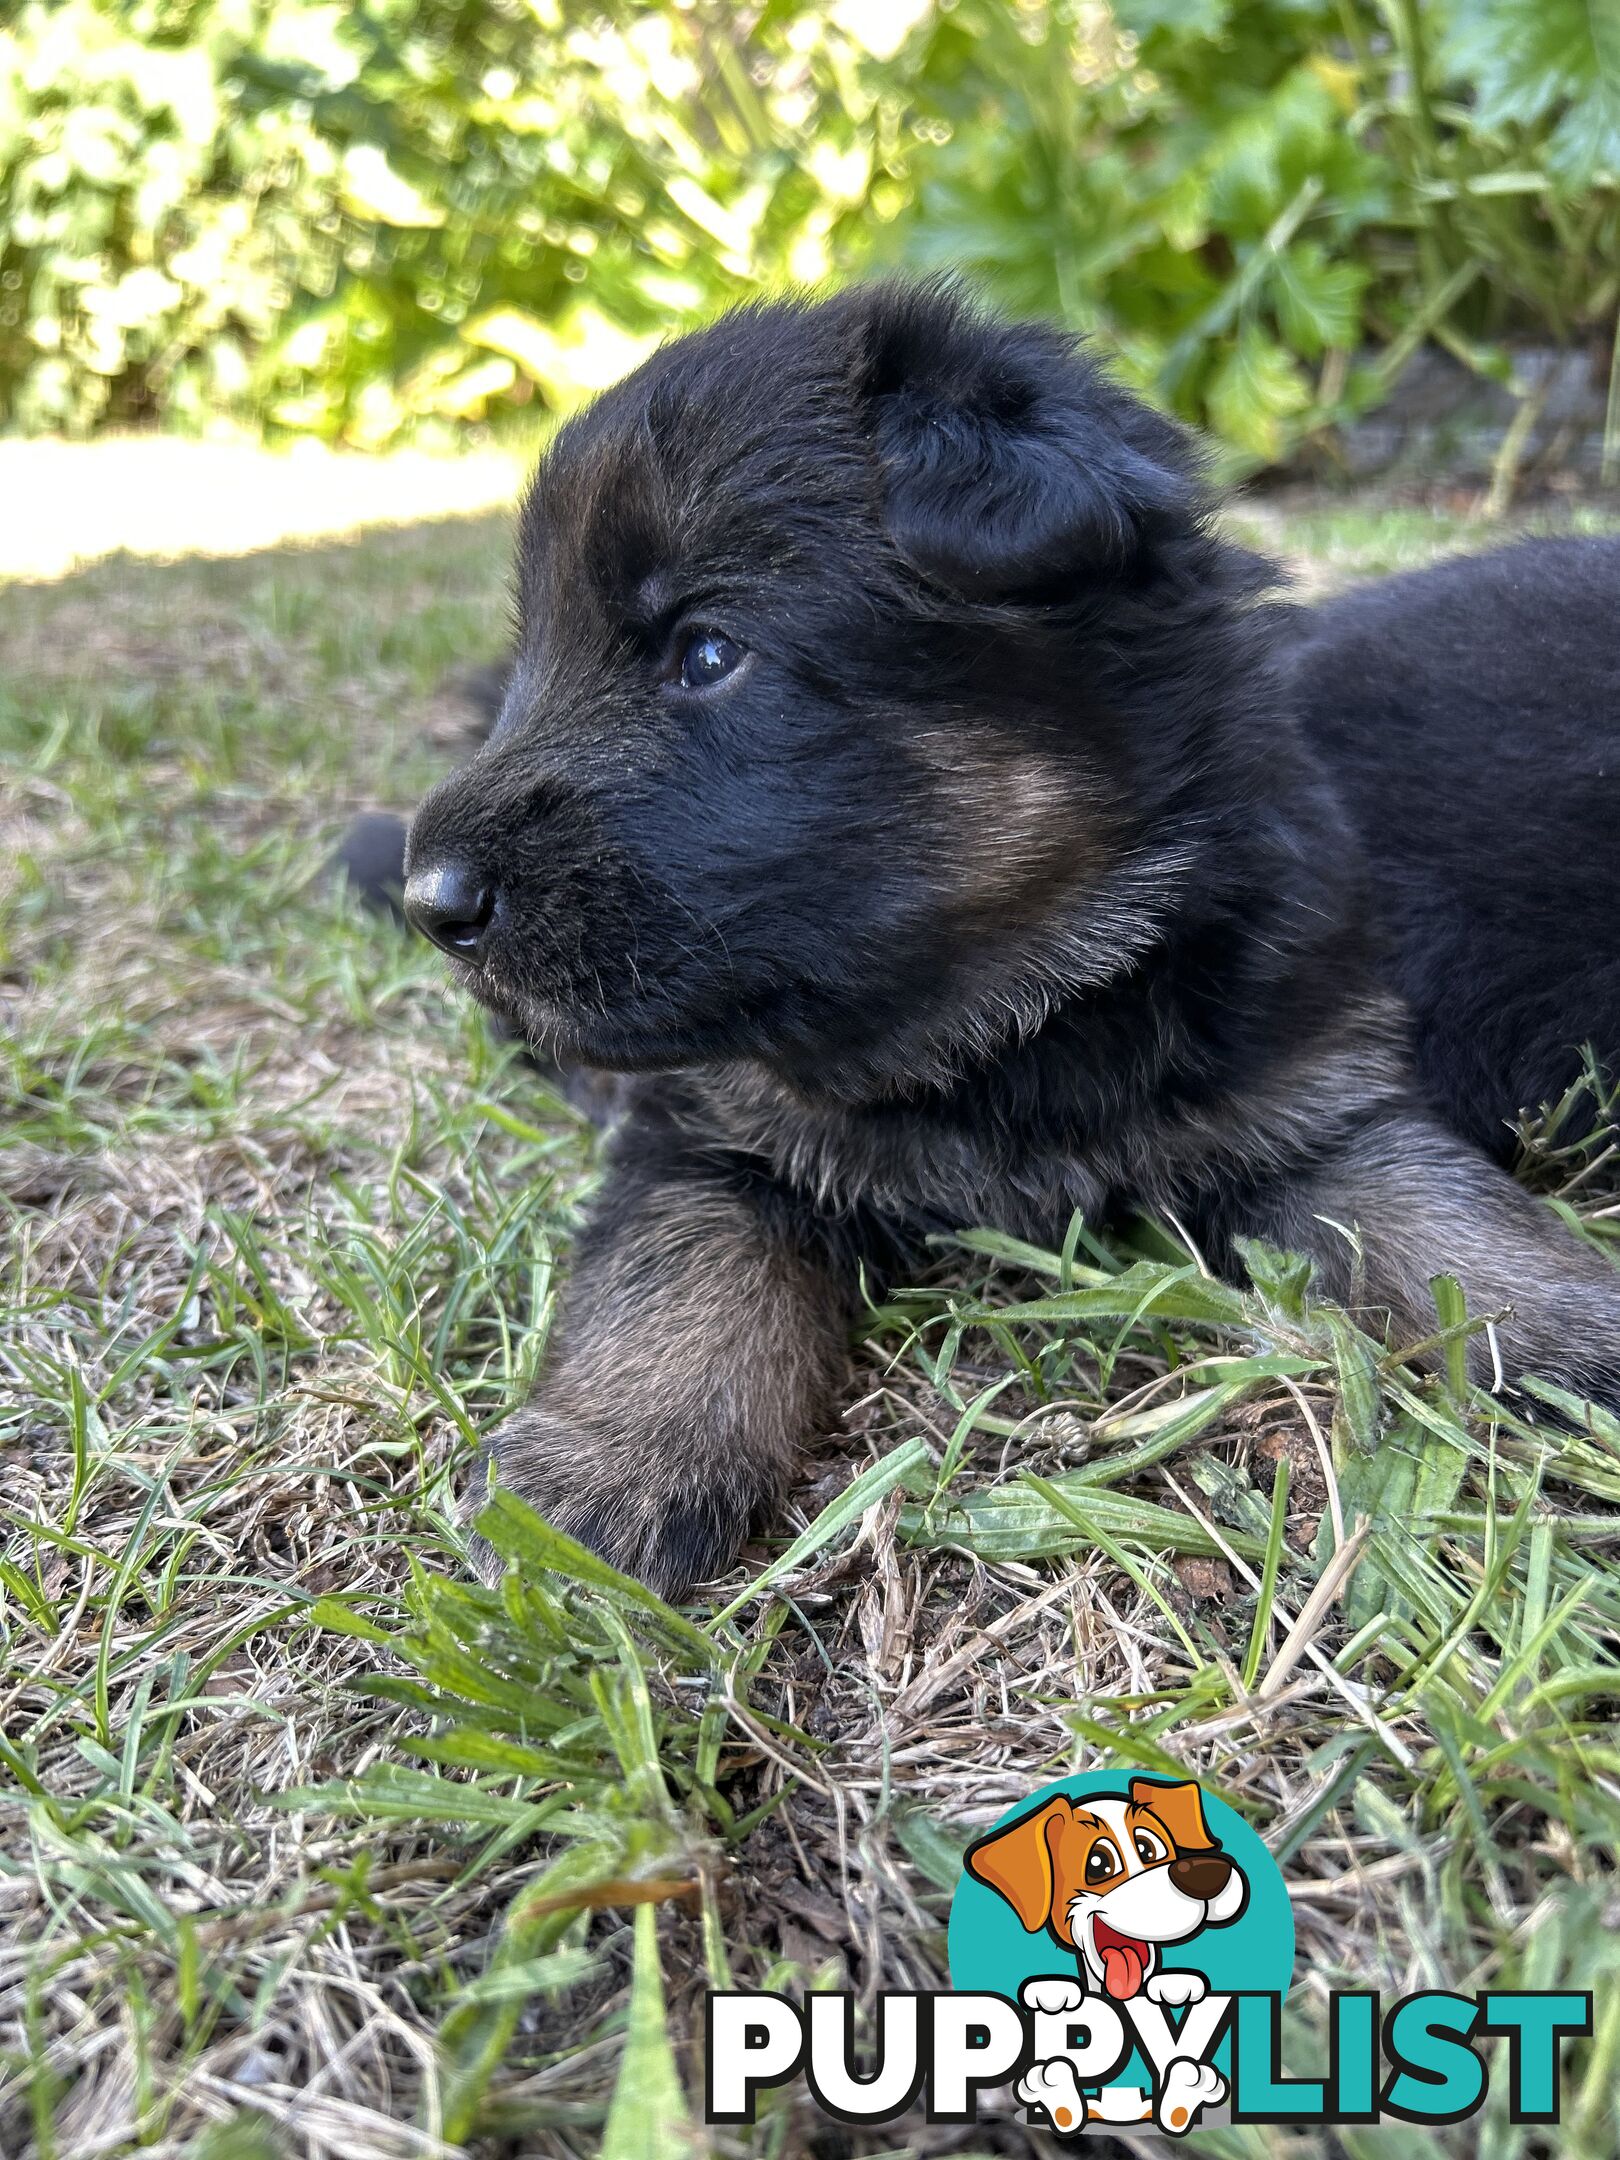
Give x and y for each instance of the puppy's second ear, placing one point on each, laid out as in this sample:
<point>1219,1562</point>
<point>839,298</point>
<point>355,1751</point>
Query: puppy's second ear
<point>1017,1863</point>
<point>1010,465</point>
<point>1180,1808</point>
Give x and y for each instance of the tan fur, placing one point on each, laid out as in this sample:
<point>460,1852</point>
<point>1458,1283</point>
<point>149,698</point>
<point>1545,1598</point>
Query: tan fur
<point>1343,1076</point>
<point>1009,817</point>
<point>1403,1201</point>
<point>698,1355</point>
<point>895,1161</point>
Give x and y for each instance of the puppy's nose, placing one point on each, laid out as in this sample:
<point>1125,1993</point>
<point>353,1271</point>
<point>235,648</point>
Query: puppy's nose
<point>451,904</point>
<point>1200,1875</point>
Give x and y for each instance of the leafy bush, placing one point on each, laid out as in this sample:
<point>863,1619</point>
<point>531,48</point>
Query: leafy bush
<point>356,221</point>
<point>362,221</point>
<point>1243,198</point>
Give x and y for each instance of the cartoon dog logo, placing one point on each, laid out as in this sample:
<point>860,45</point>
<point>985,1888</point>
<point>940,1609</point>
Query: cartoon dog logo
<point>1114,1880</point>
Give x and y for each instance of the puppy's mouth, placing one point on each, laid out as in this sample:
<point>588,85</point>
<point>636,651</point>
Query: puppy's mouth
<point>1124,1961</point>
<point>552,1026</point>
<point>573,1030</point>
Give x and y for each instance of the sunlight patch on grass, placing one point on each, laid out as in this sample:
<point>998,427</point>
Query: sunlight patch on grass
<point>164,497</point>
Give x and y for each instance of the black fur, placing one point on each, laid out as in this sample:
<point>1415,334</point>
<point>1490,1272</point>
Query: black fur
<point>1470,716</point>
<point>1002,879</point>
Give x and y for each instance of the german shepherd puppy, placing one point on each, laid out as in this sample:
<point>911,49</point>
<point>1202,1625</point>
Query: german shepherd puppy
<point>905,787</point>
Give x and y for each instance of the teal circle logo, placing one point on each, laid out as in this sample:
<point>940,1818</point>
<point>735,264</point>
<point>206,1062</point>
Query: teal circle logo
<point>1108,1852</point>
<point>1117,1895</point>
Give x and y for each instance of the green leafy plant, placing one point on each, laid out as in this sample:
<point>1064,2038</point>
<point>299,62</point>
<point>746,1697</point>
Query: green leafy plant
<point>396,217</point>
<point>404,219</point>
<point>1263,209</point>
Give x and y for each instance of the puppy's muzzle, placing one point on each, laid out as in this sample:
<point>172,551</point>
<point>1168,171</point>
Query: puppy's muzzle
<point>451,903</point>
<point>1200,1875</point>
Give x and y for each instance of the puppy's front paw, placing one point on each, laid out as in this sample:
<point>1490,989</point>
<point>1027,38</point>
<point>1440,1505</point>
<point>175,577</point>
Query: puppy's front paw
<point>1177,1987</point>
<point>1052,1994</point>
<point>1052,2086</point>
<point>1189,2088</point>
<point>664,1512</point>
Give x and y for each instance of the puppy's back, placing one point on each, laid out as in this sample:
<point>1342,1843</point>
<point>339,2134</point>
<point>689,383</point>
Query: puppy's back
<point>1470,714</point>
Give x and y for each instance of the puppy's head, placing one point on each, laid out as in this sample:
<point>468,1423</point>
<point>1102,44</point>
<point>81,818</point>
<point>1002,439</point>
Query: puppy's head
<point>816,749</point>
<point>1115,1878</point>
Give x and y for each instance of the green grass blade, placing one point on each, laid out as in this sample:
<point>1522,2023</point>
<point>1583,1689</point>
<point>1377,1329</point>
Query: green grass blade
<point>648,2118</point>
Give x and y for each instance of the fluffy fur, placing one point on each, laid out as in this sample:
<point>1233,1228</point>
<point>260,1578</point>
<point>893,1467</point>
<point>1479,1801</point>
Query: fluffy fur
<point>1470,718</point>
<point>1031,859</point>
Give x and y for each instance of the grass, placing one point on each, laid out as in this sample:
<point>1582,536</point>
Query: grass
<point>310,1846</point>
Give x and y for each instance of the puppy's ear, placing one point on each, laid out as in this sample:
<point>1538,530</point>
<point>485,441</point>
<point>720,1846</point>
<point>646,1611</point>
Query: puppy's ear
<point>1180,1808</point>
<point>1017,1863</point>
<point>1010,464</point>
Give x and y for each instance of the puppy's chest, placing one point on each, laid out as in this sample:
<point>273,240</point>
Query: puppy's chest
<point>913,1164</point>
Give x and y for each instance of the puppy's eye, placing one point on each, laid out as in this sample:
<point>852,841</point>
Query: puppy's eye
<point>709,657</point>
<point>1102,1863</point>
<point>1150,1849</point>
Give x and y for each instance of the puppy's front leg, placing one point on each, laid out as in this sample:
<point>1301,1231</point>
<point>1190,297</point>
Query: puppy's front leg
<point>1402,1200</point>
<point>702,1342</point>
